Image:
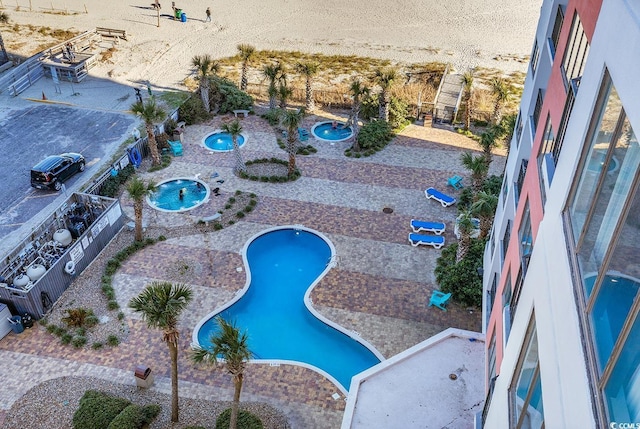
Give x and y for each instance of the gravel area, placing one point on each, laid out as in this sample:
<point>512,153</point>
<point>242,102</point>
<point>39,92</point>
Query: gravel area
<point>51,405</point>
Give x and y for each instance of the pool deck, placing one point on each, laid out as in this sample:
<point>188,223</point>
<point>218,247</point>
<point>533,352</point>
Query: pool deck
<point>380,287</point>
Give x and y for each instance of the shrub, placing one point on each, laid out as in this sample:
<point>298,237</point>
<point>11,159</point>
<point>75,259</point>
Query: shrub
<point>51,329</point>
<point>97,410</point>
<point>78,341</point>
<point>217,226</point>
<point>113,304</point>
<point>461,279</point>
<point>120,315</point>
<point>246,420</point>
<point>192,111</point>
<point>59,331</point>
<point>372,138</point>
<point>77,317</point>
<point>111,186</point>
<point>97,345</point>
<point>113,340</point>
<point>230,97</point>
<point>135,417</point>
<point>240,215</point>
<point>273,116</point>
<point>66,338</point>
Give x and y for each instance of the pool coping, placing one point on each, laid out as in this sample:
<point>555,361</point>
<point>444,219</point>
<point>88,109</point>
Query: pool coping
<point>193,179</point>
<point>218,131</point>
<point>307,302</point>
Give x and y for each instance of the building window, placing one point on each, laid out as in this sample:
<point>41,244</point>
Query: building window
<point>555,33</point>
<point>505,239</point>
<point>527,410</point>
<point>546,164</point>
<point>492,294</point>
<point>535,56</point>
<point>491,357</point>
<point>566,114</point>
<point>506,310</point>
<point>576,52</point>
<point>526,238</point>
<point>603,222</point>
<point>521,175</point>
<point>537,110</point>
<point>505,190</point>
<point>516,294</point>
<point>519,129</point>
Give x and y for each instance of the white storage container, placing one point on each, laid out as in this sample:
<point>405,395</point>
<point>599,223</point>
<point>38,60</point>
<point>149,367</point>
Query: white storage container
<point>5,325</point>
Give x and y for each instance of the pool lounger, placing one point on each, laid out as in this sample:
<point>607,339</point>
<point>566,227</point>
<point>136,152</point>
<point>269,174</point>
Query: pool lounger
<point>435,227</point>
<point>444,199</point>
<point>436,241</point>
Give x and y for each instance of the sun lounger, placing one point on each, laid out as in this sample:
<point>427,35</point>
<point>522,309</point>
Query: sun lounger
<point>437,241</point>
<point>435,227</point>
<point>444,199</point>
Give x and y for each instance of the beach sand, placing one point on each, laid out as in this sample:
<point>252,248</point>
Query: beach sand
<point>465,33</point>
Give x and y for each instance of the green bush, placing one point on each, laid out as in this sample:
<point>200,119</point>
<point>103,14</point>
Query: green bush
<point>273,116</point>
<point>192,111</point>
<point>97,410</point>
<point>97,345</point>
<point>231,98</point>
<point>461,279</point>
<point>79,317</point>
<point>246,420</point>
<point>135,417</point>
<point>113,305</point>
<point>78,341</point>
<point>113,340</point>
<point>66,338</point>
<point>111,186</point>
<point>373,137</point>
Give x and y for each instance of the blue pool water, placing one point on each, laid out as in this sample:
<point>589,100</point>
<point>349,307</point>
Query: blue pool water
<point>221,141</point>
<point>325,131</point>
<point>283,264</point>
<point>596,162</point>
<point>167,195</point>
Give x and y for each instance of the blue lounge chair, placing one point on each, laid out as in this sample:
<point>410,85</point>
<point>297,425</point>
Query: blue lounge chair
<point>439,299</point>
<point>435,227</point>
<point>444,199</point>
<point>303,134</point>
<point>437,241</point>
<point>176,147</point>
<point>455,182</point>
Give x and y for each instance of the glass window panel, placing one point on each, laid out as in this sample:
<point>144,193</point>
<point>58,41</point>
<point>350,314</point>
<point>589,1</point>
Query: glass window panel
<point>622,391</point>
<point>529,407</point>
<point>619,287</point>
<point>619,166</point>
<point>606,123</point>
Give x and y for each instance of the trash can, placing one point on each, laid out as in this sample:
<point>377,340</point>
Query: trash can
<point>27,321</point>
<point>16,324</point>
<point>143,376</point>
<point>183,17</point>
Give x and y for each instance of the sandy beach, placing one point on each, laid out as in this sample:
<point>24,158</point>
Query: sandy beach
<point>466,33</point>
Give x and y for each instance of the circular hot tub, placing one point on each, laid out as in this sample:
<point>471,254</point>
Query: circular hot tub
<point>221,141</point>
<point>179,195</point>
<point>331,131</point>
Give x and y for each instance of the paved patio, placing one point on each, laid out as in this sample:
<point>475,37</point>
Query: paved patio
<point>379,288</point>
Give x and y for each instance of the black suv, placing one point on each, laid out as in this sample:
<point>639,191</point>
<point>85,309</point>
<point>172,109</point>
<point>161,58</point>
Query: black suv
<point>55,169</point>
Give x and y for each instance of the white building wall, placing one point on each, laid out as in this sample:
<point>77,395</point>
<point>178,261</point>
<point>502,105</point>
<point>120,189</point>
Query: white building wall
<point>548,286</point>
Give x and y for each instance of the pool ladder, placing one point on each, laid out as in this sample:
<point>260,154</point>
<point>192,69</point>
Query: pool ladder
<point>333,261</point>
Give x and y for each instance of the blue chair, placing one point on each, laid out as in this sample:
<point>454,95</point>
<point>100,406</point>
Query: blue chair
<point>176,147</point>
<point>444,199</point>
<point>455,182</point>
<point>436,241</point>
<point>435,227</point>
<point>303,134</point>
<point>439,299</point>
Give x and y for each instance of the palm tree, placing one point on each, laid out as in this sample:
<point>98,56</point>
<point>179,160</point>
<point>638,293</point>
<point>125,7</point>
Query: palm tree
<point>478,168</point>
<point>234,128</point>
<point>488,140</point>
<point>246,54</point>
<point>291,119</point>
<point>160,304</point>
<point>358,90</point>
<point>205,66</point>
<point>150,112</point>
<point>385,79</point>
<point>272,72</point>
<point>485,208</point>
<point>467,87</point>
<point>465,227</point>
<point>502,93</point>
<point>228,344</point>
<point>308,69</point>
<point>284,92</point>
<point>137,191</point>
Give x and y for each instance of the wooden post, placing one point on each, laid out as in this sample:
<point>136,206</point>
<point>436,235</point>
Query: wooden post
<point>51,6</point>
<point>85,9</point>
<point>158,12</point>
<point>30,6</point>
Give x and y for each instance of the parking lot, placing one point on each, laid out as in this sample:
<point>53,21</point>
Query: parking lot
<point>31,132</point>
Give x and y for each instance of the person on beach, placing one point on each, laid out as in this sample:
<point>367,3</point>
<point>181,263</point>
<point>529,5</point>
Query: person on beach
<point>208,15</point>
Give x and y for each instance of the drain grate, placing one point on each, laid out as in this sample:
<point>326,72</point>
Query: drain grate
<point>387,210</point>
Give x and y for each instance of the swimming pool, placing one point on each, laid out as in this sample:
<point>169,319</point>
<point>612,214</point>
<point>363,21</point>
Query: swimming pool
<point>178,195</point>
<point>283,265</point>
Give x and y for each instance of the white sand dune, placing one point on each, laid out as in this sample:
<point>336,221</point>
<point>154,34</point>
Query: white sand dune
<point>465,33</point>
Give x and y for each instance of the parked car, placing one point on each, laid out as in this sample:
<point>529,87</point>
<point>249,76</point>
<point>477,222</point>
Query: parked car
<point>55,169</point>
